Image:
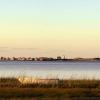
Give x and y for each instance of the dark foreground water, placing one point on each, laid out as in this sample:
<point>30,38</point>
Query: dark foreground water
<point>63,70</point>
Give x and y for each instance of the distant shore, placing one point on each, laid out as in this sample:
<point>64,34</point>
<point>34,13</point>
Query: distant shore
<point>49,59</point>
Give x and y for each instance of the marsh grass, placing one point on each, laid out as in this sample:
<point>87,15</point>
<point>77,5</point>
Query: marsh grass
<point>13,88</point>
<point>51,83</point>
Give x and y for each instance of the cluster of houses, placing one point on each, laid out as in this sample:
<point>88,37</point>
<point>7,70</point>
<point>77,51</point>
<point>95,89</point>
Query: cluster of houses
<point>16,59</point>
<point>29,59</point>
<point>59,58</point>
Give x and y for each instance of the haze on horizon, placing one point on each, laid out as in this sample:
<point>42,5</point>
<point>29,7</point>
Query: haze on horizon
<point>50,28</point>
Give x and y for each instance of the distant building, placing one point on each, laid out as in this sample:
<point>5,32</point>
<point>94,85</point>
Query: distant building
<point>42,59</point>
<point>59,58</point>
<point>36,59</point>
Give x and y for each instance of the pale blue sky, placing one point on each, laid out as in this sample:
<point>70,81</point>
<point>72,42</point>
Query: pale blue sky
<point>58,25</point>
<point>52,11</point>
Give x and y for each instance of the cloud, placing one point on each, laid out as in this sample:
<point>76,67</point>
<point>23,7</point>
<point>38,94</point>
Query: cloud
<point>4,49</point>
<point>8,49</point>
<point>24,48</point>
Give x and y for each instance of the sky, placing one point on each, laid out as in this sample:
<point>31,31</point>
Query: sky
<point>50,28</point>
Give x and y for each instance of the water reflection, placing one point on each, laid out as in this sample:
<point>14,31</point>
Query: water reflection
<point>79,70</point>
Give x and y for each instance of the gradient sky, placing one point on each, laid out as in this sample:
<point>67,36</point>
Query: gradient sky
<point>50,28</point>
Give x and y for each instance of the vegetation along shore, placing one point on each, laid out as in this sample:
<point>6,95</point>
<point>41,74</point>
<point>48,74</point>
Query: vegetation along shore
<point>49,89</point>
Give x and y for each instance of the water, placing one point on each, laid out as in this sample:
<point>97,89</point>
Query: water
<point>77,70</point>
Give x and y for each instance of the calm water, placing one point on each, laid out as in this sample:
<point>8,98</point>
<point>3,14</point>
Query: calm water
<point>51,69</point>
